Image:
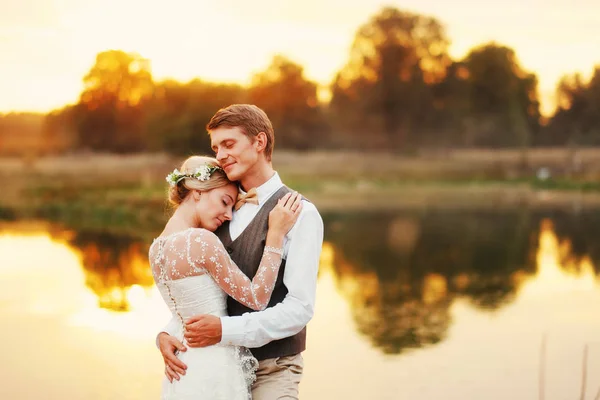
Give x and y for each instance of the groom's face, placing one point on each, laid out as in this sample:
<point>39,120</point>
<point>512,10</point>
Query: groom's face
<point>235,151</point>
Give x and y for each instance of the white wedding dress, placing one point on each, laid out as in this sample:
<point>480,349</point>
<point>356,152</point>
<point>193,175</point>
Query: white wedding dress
<point>194,275</point>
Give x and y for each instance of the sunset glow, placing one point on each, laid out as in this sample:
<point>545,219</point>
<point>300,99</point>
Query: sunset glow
<point>47,46</point>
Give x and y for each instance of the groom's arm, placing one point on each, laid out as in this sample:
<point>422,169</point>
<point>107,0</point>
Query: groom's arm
<point>300,277</point>
<point>170,329</point>
<point>168,345</point>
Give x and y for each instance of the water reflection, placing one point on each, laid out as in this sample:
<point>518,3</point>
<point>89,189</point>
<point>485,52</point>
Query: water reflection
<point>41,275</point>
<point>392,313</point>
<point>475,292</point>
<point>558,271</point>
<point>116,267</point>
<point>57,343</point>
<point>401,274</point>
<point>87,278</point>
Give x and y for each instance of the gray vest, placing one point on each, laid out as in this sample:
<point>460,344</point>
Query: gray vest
<point>247,250</point>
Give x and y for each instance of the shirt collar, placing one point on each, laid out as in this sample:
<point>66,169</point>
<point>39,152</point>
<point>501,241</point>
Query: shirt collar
<point>265,190</point>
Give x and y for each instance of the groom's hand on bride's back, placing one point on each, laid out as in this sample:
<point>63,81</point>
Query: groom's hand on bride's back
<point>169,346</point>
<point>203,331</point>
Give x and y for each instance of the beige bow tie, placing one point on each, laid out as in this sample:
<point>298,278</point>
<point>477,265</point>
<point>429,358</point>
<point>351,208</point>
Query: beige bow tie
<point>250,197</point>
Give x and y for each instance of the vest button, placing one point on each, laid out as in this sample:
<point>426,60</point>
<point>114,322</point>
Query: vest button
<point>229,250</point>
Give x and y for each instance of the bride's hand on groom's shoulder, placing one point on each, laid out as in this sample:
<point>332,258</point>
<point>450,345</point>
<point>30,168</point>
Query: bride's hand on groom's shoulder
<point>169,346</point>
<point>285,214</point>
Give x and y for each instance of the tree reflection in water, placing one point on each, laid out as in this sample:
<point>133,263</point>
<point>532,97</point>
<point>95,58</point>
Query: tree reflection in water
<point>400,272</point>
<point>113,264</point>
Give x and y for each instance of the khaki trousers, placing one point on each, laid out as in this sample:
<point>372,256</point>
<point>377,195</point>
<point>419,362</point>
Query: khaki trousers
<point>278,378</point>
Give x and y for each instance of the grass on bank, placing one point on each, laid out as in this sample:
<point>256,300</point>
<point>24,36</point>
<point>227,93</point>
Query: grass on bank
<point>118,188</point>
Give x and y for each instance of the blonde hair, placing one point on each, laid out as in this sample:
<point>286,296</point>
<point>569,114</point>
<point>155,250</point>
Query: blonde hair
<point>179,192</point>
<point>251,119</point>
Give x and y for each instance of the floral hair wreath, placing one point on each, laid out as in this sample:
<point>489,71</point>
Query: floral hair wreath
<point>201,173</point>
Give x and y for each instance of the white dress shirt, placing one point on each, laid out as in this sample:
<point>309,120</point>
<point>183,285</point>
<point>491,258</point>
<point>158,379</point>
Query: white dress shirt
<point>302,250</point>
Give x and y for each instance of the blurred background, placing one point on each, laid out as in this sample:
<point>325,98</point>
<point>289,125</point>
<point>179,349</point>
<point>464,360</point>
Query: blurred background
<point>452,148</point>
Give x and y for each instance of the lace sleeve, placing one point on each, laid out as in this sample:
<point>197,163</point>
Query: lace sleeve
<point>206,251</point>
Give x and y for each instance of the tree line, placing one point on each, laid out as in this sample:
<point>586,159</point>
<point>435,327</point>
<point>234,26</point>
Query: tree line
<point>399,90</point>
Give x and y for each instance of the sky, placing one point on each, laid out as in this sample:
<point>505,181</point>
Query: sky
<point>47,46</point>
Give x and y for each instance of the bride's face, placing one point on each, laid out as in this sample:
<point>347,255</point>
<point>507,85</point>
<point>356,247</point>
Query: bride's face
<point>216,206</point>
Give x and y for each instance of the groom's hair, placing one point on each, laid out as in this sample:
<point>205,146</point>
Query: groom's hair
<point>249,118</point>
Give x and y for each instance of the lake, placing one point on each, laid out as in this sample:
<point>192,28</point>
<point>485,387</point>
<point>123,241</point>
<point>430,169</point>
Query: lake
<point>424,303</point>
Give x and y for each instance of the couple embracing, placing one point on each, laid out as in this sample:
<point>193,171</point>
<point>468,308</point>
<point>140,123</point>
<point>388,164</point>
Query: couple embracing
<point>237,265</point>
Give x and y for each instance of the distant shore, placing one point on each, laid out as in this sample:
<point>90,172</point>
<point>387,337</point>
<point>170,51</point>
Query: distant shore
<point>426,164</point>
<point>333,180</point>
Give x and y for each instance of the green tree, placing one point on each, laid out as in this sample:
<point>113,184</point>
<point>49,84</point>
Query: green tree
<point>386,87</point>
<point>110,109</point>
<point>290,101</point>
<point>576,121</point>
<point>20,134</point>
<point>59,131</point>
<point>503,100</point>
<point>452,106</point>
<point>178,113</point>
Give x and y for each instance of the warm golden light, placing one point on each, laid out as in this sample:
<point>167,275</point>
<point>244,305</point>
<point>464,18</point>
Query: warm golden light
<point>136,297</point>
<point>327,257</point>
<point>435,288</point>
<point>557,270</point>
<point>49,50</point>
<point>55,324</point>
<point>44,275</point>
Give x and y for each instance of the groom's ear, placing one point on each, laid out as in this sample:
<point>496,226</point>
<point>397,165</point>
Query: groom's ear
<point>260,141</point>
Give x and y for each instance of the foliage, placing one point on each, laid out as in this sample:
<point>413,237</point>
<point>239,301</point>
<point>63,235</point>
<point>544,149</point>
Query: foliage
<point>399,91</point>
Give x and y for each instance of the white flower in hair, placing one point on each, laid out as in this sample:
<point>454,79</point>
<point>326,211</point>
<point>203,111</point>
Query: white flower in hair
<point>201,173</point>
<point>173,177</point>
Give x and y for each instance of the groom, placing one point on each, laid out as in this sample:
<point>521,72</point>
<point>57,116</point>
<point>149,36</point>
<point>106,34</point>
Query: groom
<point>242,137</point>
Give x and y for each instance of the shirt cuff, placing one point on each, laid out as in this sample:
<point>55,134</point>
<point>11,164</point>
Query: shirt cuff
<point>232,331</point>
<point>156,340</point>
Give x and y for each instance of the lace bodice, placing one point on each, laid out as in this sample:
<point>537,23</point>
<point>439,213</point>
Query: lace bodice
<point>196,252</point>
<point>194,275</point>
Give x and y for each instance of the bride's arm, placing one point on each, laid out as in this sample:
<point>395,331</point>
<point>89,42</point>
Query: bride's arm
<point>207,252</point>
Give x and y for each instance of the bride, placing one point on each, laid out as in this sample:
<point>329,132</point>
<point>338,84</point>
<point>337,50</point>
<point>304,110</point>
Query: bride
<point>195,274</point>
